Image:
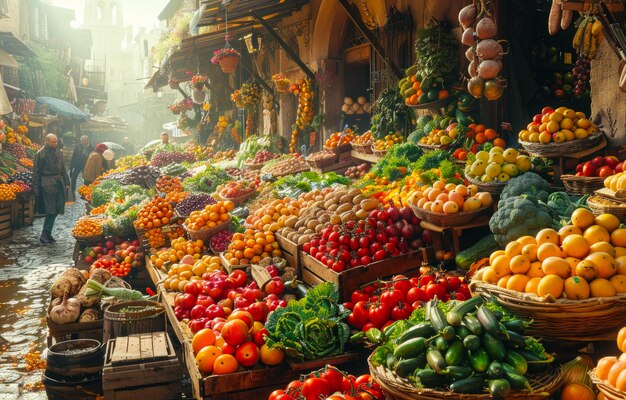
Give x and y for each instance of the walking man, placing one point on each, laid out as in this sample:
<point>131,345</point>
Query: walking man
<point>50,185</point>
<point>129,148</point>
<point>79,158</point>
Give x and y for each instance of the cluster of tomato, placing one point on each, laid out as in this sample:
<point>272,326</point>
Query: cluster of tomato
<point>331,384</point>
<point>166,184</point>
<point>112,265</point>
<point>381,303</point>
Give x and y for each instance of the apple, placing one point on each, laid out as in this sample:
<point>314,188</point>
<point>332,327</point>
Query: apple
<point>89,259</point>
<point>235,332</point>
<point>619,167</point>
<point>110,244</point>
<point>611,161</point>
<point>598,161</point>
<point>547,110</point>
<point>605,171</point>
<point>589,169</point>
<point>537,119</point>
<point>579,168</point>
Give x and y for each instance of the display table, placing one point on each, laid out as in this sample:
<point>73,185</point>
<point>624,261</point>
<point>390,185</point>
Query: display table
<point>455,231</point>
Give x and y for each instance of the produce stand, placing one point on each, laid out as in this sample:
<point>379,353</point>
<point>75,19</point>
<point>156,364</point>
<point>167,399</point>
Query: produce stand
<point>291,252</point>
<point>369,158</point>
<point>455,231</point>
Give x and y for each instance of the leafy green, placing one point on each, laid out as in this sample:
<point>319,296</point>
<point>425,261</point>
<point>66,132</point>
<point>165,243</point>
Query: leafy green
<point>518,216</point>
<point>206,181</point>
<point>408,150</point>
<point>294,185</point>
<point>436,52</point>
<point>391,114</point>
<point>102,193</point>
<point>534,346</point>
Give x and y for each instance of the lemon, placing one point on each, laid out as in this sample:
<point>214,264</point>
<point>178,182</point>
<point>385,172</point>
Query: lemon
<point>483,156</point>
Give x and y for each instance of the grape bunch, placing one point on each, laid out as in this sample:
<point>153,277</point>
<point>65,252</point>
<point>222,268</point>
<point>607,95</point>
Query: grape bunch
<point>582,74</point>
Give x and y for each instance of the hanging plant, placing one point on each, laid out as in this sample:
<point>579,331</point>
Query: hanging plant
<point>248,96</point>
<point>198,81</point>
<point>227,58</point>
<point>281,82</point>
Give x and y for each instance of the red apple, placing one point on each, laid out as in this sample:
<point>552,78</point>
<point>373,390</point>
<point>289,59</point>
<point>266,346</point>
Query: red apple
<point>611,161</point>
<point>247,354</point>
<point>598,161</point>
<point>235,332</point>
<point>537,119</point>
<point>605,171</point>
<point>89,259</point>
<point>547,110</point>
<point>579,174</point>
<point>579,168</point>
<point>589,169</point>
<point>619,167</point>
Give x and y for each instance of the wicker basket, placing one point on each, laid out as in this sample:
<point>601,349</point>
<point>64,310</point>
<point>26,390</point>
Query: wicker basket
<point>378,153</point>
<point>431,147</point>
<point>446,220</point>
<point>239,200</point>
<point>123,323</point>
<point>492,187</point>
<point>607,390</point>
<point>600,205</point>
<point>562,318</point>
<point>324,162</point>
<point>343,148</point>
<point>396,388</point>
<point>89,240</point>
<point>580,185</point>
<point>363,148</point>
<point>206,234</point>
<point>254,167</point>
<point>553,149</point>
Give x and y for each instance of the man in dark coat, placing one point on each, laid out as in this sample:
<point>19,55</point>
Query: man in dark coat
<point>79,158</point>
<point>50,185</point>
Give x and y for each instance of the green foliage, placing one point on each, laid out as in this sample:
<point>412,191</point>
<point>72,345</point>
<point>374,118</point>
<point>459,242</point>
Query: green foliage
<point>46,66</point>
<point>436,51</point>
<point>206,181</point>
<point>391,114</point>
<point>104,192</point>
<point>294,185</point>
<point>408,150</point>
<point>254,144</point>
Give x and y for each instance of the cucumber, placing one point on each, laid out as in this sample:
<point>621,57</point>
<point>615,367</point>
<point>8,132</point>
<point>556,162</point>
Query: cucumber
<point>441,344</point>
<point>516,339</point>
<point>479,360</point>
<point>530,356</point>
<point>468,385</point>
<point>517,380</point>
<point>472,323</point>
<point>455,316</point>
<point>482,249</point>
<point>517,361</point>
<point>448,333</point>
<point>436,360</point>
<point>457,372</point>
<point>455,354</point>
<point>471,342</point>
<point>437,318</point>
<point>515,325</point>
<point>493,346</point>
<point>499,388</point>
<point>487,320</point>
<point>406,367</point>
<point>429,378</point>
<point>424,329</point>
<point>411,348</point>
<point>462,332</point>
<point>391,361</point>
<point>495,370</point>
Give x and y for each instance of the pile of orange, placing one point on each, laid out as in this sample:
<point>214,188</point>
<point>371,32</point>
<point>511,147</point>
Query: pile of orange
<point>175,197</point>
<point>166,184</point>
<point>612,369</point>
<point>179,248</point>
<point>272,216</point>
<point>6,192</point>
<point>212,216</point>
<point>365,138</point>
<point>251,247</point>
<point>99,210</point>
<point>181,274</point>
<point>87,227</point>
<point>158,238</point>
<point>582,260</point>
<point>27,162</point>
<point>156,213</point>
<point>338,138</point>
<point>85,191</point>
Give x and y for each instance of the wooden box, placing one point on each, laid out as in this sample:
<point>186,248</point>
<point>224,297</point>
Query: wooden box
<point>349,280</point>
<point>141,367</point>
<point>291,251</point>
<point>76,330</point>
<point>78,258</point>
<point>6,216</point>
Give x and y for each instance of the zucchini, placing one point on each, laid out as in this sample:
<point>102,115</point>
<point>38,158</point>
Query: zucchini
<point>472,323</point>
<point>441,344</point>
<point>391,361</point>
<point>462,332</point>
<point>479,360</point>
<point>495,370</point>
<point>516,339</point>
<point>499,388</point>
<point>515,325</point>
<point>436,360</point>
<point>448,333</point>
<point>517,361</point>
<point>429,378</point>
<point>411,348</point>
<point>468,385</point>
<point>517,380</point>
<point>455,316</point>
<point>530,356</point>
<point>455,354</point>
<point>493,346</point>
<point>487,320</point>
<point>406,367</point>
<point>424,329</point>
<point>471,342</point>
<point>482,249</point>
<point>457,372</point>
<point>437,318</point>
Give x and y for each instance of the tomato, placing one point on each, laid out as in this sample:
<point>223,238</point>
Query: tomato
<point>401,311</point>
<point>367,326</point>
<point>375,247</point>
<point>416,294</point>
<point>314,388</point>
<point>443,281</point>
<point>379,314</point>
<point>362,380</point>
<point>392,297</point>
<point>307,247</point>
<point>294,385</point>
<point>358,295</point>
<point>454,283</point>
<point>465,290</point>
<point>426,279</point>
<point>402,283</point>
<point>380,255</point>
<point>361,312</point>
<point>460,296</point>
<point>338,266</point>
<point>275,286</point>
<point>204,300</point>
<point>434,289</point>
<point>197,312</point>
<point>334,378</point>
<point>333,237</point>
<point>279,395</point>
<point>365,260</point>
<point>187,301</point>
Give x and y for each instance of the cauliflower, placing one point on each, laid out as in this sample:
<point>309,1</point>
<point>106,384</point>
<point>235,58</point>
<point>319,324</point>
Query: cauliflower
<point>528,183</point>
<point>518,216</point>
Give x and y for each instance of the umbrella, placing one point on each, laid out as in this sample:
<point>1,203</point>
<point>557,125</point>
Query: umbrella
<point>66,109</point>
<point>114,146</point>
<point>151,144</point>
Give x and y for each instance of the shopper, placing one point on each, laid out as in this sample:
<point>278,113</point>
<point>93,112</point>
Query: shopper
<point>129,148</point>
<point>95,165</point>
<point>165,138</point>
<point>50,185</point>
<point>79,159</point>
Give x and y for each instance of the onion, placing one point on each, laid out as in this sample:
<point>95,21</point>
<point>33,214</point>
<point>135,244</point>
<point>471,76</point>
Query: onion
<point>488,69</point>
<point>493,89</point>
<point>472,68</point>
<point>468,37</point>
<point>469,54</point>
<point>475,86</point>
<point>66,312</point>
<point>488,49</point>
<point>467,16</point>
<point>486,28</point>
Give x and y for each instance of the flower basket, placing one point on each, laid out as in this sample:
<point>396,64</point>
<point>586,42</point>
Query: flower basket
<point>281,82</point>
<point>229,64</point>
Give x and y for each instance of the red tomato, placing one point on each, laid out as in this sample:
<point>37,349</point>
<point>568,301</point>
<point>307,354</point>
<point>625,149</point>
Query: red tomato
<point>401,311</point>
<point>334,378</point>
<point>314,388</point>
<point>426,279</point>
<point>402,283</point>
<point>434,289</point>
<point>358,295</point>
<point>416,294</point>
<point>454,283</point>
<point>379,314</point>
<point>392,297</point>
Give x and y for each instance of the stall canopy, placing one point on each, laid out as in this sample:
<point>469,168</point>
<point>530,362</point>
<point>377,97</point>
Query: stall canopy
<point>11,44</point>
<point>7,60</point>
<point>63,108</point>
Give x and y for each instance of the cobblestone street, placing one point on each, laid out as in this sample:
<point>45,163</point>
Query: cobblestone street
<point>27,270</point>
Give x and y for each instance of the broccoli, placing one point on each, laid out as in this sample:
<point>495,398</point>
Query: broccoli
<point>518,216</point>
<point>528,183</point>
<point>408,150</point>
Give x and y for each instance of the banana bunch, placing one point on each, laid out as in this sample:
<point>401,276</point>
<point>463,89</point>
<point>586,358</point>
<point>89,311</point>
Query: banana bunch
<point>588,35</point>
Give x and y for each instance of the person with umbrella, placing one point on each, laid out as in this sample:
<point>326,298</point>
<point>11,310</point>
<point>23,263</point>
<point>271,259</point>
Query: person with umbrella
<point>95,165</point>
<point>50,184</point>
<point>79,159</point>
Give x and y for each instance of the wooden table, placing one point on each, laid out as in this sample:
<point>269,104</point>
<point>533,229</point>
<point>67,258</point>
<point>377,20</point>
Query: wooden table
<point>456,231</point>
<point>369,158</point>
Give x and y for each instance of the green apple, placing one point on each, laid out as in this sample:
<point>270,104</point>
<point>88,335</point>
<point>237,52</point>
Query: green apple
<point>510,169</point>
<point>493,169</point>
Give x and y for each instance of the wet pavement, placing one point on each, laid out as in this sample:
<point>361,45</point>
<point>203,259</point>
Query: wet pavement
<point>27,270</point>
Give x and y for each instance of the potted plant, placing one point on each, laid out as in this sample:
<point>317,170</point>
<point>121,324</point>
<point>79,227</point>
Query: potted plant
<point>227,58</point>
<point>198,81</point>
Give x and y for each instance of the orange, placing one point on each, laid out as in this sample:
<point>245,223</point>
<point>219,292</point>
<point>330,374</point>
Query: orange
<point>503,281</point>
<point>546,250</point>
<point>596,233</point>
<point>527,240</point>
<point>206,358</point>
<point>494,255</point>
<point>535,270</point>
<point>587,270</point>
<point>582,218</point>
<point>621,337</point>
<point>490,276</point>
<point>619,283</point>
<point>532,284</point>
<point>575,246</point>
<point>547,235</point>
<point>573,263</point>
<point>501,266</point>
<point>517,282</point>
<point>202,338</point>
<point>577,391</point>
<point>530,251</point>
<point>556,266</point>
<point>225,364</point>
<point>620,251</point>
<point>569,230</point>
<point>605,264</point>
<point>519,264</point>
<point>618,237</point>
<point>513,249</point>
<point>576,288</point>
<point>620,262</point>
<point>601,288</point>
<point>614,372</point>
<point>620,384</point>
<point>550,285</point>
<point>271,356</point>
<point>608,221</point>
<point>602,247</point>
<point>604,366</point>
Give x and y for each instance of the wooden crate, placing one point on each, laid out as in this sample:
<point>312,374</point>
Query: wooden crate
<point>291,251</point>
<point>6,215</point>
<point>142,366</point>
<point>76,330</point>
<point>27,210</point>
<point>78,258</point>
<point>256,383</point>
<point>314,272</point>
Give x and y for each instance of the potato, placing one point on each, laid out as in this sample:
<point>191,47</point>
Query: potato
<point>335,219</point>
<point>362,214</point>
<point>358,199</point>
<point>291,221</point>
<point>333,208</point>
<point>346,198</point>
<point>312,224</point>
<point>344,207</point>
<point>309,232</point>
<point>304,239</point>
<point>319,228</point>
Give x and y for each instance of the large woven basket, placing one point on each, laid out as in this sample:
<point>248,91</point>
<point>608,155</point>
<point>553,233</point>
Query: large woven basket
<point>580,185</point>
<point>363,148</point>
<point>491,187</point>
<point>378,153</point>
<point>324,162</point>
<point>553,149</point>
<point>544,385</point>
<point>607,390</point>
<point>254,167</point>
<point>445,220</point>
<point>206,234</point>
<point>239,200</point>
<point>559,318</point>
<point>342,148</point>
<point>599,205</point>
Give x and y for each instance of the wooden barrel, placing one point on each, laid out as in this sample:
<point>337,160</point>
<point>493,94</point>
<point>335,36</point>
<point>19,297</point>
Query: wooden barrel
<point>75,358</point>
<point>127,318</point>
<point>72,388</point>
